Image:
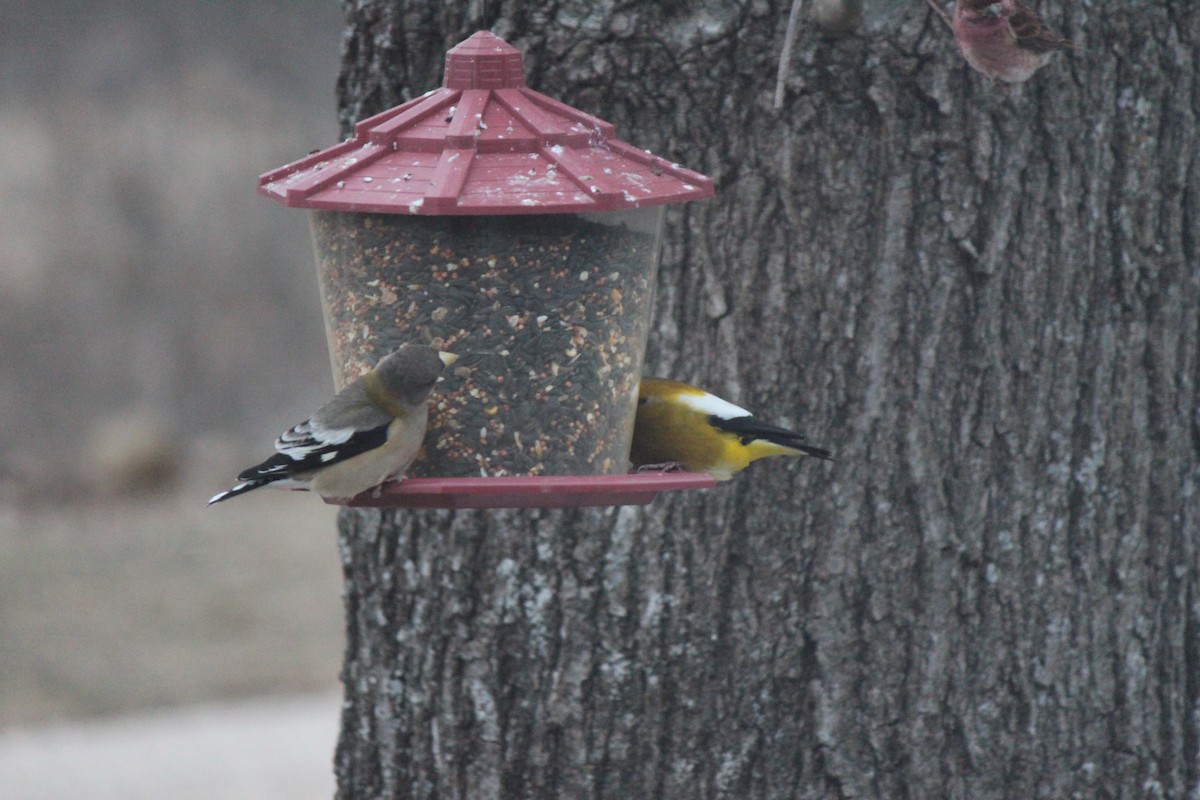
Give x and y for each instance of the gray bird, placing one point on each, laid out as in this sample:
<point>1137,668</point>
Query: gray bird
<point>367,434</point>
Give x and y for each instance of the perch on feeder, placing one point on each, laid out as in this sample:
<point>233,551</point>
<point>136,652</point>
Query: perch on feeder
<point>491,220</point>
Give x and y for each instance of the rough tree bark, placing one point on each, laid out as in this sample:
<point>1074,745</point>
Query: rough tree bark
<point>987,304</point>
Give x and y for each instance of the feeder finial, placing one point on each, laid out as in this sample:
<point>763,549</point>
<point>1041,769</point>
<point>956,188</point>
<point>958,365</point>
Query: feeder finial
<point>484,61</point>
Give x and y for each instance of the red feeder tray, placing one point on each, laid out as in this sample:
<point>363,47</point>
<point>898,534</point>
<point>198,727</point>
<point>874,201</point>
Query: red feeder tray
<point>553,491</point>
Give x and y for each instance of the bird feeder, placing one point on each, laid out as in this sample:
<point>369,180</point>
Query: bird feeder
<point>490,220</point>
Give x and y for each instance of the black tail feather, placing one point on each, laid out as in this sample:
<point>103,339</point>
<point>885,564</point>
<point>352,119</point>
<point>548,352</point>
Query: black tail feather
<point>749,429</point>
<point>241,488</point>
<point>810,450</point>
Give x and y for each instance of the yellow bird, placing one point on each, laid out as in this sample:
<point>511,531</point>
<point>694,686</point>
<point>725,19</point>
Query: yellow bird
<point>679,424</point>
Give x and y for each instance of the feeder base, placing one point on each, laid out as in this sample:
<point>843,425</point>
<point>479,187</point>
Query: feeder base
<point>552,491</point>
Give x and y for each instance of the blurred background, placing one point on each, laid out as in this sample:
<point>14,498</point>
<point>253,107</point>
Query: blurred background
<point>160,325</point>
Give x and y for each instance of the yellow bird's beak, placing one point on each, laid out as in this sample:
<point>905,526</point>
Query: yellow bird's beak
<point>447,358</point>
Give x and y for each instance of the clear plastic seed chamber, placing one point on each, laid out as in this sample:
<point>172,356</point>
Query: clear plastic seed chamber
<point>502,225</point>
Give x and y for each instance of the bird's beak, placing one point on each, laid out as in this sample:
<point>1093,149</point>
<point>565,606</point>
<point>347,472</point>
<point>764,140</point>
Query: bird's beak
<point>447,358</point>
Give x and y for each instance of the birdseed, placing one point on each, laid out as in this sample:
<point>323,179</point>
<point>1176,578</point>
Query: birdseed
<point>549,315</point>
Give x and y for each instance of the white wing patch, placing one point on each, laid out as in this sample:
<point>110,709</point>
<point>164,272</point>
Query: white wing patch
<point>713,406</point>
<point>306,438</point>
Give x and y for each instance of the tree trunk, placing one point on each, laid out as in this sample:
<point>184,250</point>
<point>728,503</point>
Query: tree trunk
<point>986,303</point>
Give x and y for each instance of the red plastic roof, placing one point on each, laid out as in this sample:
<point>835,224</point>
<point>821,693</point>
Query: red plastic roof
<point>484,143</point>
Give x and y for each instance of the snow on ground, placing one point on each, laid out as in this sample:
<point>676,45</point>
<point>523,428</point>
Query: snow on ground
<point>269,749</point>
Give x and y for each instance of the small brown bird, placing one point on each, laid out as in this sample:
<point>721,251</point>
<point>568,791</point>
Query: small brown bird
<point>1003,39</point>
<point>680,425</point>
<point>367,434</point>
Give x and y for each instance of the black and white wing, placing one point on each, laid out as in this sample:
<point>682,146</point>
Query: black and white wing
<point>310,446</point>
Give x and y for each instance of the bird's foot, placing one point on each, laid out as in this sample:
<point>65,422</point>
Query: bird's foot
<point>666,466</point>
<point>377,492</point>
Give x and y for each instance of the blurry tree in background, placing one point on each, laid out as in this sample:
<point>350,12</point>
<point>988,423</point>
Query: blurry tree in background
<point>151,304</point>
<point>141,277</point>
<point>988,305</point>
